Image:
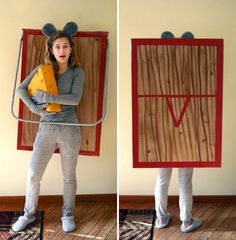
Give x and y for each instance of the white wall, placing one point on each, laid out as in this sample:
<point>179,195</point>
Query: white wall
<point>206,19</point>
<point>95,174</point>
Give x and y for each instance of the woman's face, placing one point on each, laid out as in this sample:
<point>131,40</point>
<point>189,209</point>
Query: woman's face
<point>61,50</point>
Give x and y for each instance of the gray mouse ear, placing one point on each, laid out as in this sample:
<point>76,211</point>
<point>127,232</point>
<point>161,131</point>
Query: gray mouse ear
<point>187,35</point>
<point>167,34</point>
<point>70,28</point>
<point>49,30</point>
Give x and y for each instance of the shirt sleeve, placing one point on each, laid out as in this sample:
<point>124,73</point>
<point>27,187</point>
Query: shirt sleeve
<point>22,89</point>
<point>76,92</point>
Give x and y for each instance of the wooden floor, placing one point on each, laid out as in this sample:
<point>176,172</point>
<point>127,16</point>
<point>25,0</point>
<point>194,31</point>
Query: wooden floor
<point>95,220</point>
<point>219,222</point>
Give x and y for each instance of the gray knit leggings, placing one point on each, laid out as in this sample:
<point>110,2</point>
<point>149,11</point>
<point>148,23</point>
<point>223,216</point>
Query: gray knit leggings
<point>185,192</point>
<point>50,137</point>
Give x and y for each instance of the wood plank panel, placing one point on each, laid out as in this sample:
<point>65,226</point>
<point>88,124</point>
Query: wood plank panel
<point>176,70</point>
<point>91,52</point>
<point>34,57</point>
<point>177,102</point>
<point>161,141</point>
<point>89,56</point>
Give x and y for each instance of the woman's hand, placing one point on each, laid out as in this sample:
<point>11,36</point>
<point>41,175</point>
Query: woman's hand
<point>39,109</point>
<point>41,97</point>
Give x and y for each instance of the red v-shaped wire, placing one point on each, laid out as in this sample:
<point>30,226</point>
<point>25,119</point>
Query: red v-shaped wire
<point>175,119</point>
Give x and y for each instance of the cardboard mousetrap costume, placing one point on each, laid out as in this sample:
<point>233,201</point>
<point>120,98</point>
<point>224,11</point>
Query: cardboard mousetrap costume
<point>92,52</point>
<point>177,102</point>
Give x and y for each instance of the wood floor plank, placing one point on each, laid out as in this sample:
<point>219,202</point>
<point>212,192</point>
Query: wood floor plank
<point>108,228</point>
<point>207,213</point>
<point>94,220</point>
<point>80,212</point>
<point>112,234</point>
<point>214,224</point>
<point>104,219</point>
<point>87,223</point>
<point>225,224</point>
<point>219,221</point>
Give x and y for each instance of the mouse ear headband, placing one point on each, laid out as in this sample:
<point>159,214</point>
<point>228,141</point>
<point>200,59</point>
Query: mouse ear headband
<point>70,30</point>
<point>168,34</point>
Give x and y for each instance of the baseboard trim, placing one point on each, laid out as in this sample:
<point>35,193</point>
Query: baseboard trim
<point>58,198</point>
<point>149,199</point>
<point>123,199</point>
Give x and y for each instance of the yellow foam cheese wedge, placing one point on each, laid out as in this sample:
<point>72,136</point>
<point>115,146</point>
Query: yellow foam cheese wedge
<point>44,80</point>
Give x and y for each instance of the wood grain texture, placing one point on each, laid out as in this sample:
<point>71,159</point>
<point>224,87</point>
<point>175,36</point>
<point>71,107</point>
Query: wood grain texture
<point>161,141</point>
<point>177,70</point>
<point>176,103</point>
<point>88,50</point>
<point>219,219</point>
<point>34,57</point>
<point>94,219</point>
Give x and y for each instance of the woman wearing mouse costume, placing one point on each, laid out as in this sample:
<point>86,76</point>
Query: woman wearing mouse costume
<point>163,218</point>
<point>70,80</point>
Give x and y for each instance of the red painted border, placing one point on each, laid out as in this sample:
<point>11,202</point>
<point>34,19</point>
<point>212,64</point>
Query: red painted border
<point>101,92</point>
<point>177,120</point>
<point>135,135</point>
<point>23,74</point>
<point>219,103</point>
<point>79,34</point>
<point>104,38</point>
<point>219,100</point>
<point>178,41</point>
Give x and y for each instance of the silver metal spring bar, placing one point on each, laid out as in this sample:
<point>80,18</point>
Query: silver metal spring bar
<point>61,123</point>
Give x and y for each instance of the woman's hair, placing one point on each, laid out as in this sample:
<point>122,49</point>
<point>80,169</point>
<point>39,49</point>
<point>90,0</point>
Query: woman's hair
<point>49,57</point>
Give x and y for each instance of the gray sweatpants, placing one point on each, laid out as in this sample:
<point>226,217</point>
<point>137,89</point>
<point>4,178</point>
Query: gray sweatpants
<point>185,192</point>
<point>50,137</point>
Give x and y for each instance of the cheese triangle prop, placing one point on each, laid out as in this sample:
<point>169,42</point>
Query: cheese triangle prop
<point>44,80</point>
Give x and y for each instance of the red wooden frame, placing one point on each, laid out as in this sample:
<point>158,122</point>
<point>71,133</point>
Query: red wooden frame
<point>104,39</point>
<point>218,43</point>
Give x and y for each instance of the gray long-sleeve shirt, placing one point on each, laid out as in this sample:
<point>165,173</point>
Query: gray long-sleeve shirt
<point>70,89</point>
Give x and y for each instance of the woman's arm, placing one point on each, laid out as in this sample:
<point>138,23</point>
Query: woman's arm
<point>24,96</point>
<point>70,99</point>
<point>22,89</point>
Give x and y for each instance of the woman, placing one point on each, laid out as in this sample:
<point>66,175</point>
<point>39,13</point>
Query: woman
<point>163,219</point>
<point>70,79</point>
